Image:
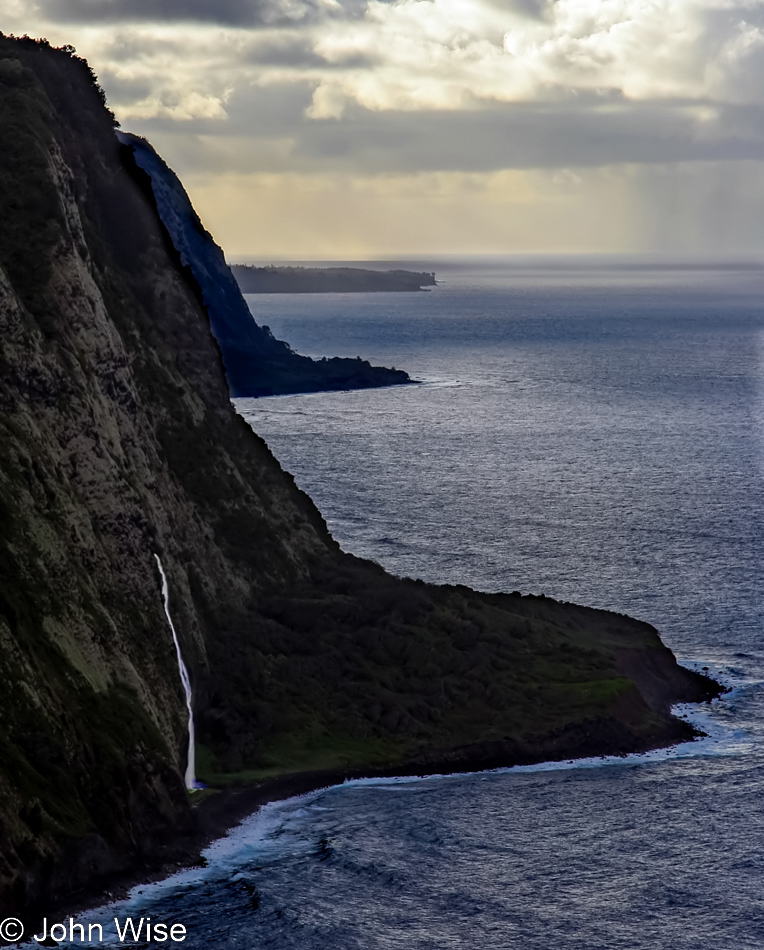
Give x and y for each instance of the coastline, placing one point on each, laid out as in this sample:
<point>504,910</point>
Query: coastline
<point>218,813</point>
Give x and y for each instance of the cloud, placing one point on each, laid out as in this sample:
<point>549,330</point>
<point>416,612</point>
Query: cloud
<point>425,55</point>
<point>237,13</point>
<point>452,54</point>
<point>267,129</point>
<point>434,84</point>
<point>297,91</point>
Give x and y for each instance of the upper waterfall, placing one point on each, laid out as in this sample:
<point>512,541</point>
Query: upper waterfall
<point>190,776</point>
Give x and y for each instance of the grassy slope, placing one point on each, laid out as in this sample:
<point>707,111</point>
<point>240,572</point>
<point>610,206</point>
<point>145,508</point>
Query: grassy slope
<point>360,669</point>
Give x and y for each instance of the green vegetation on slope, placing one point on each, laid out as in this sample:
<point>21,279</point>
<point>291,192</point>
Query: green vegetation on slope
<point>358,668</point>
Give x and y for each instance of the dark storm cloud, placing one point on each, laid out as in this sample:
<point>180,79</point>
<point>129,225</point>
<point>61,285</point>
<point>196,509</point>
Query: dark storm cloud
<point>295,51</point>
<point>122,90</point>
<point>500,137</point>
<point>235,13</point>
<point>533,136</point>
<point>535,9</point>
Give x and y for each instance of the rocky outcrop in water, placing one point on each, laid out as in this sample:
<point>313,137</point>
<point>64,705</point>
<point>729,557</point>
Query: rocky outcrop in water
<point>118,443</point>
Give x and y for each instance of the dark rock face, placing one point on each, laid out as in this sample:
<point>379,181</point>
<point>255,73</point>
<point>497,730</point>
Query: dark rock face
<point>110,384</point>
<point>118,442</point>
<point>256,363</point>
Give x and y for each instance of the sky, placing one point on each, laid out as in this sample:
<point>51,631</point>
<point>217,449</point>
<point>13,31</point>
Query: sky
<point>364,129</point>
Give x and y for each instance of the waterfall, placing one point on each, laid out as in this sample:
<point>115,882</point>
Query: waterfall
<point>190,776</point>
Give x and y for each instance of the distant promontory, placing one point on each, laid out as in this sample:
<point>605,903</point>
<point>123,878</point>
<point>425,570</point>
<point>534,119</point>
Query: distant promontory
<point>256,363</point>
<point>325,280</point>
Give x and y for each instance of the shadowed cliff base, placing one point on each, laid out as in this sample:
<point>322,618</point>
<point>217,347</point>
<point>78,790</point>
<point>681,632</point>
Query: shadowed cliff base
<point>118,443</point>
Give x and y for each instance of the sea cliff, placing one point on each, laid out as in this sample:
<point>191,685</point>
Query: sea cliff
<point>256,363</point>
<point>118,443</point>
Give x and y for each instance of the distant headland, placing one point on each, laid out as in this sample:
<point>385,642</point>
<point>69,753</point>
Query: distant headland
<point>325,280</point>
<point>256,363</point>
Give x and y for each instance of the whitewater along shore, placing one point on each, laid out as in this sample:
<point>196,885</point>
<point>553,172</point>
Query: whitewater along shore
<point>218,811</point>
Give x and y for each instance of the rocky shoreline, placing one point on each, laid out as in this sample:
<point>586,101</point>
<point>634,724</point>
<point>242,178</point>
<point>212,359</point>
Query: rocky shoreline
<point>218,813</point>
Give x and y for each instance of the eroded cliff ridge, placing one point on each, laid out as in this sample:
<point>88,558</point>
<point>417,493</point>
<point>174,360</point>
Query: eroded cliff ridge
<point>118,442</point>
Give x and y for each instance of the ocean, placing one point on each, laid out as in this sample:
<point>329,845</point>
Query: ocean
<point>590,429</point>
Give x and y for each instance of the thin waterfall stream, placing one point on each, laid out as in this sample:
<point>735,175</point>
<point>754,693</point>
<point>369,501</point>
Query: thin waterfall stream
<point>190,776</point>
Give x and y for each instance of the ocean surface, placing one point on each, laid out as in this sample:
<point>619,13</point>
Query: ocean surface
<point>588,430</point>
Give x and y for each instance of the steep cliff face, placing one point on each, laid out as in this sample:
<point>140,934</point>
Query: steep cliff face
<point>110,386</point>
<point>118,442</point>
<point>256,363</point>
